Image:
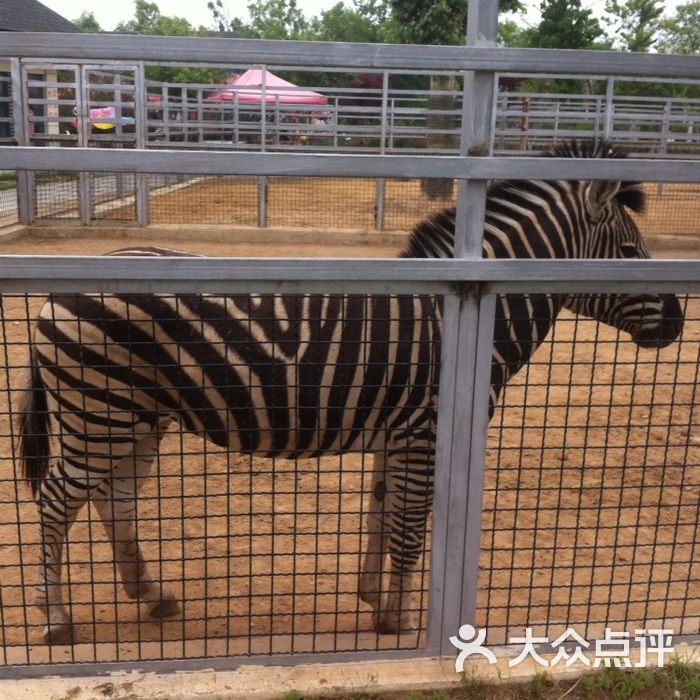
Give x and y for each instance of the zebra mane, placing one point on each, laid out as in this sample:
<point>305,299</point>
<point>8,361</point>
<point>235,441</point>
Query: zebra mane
<point>434,236</point>
<point>630,194</point>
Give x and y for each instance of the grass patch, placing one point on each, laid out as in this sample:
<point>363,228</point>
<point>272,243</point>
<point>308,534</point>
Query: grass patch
<point>678,680</point>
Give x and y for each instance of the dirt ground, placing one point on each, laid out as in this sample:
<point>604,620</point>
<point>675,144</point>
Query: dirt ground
<point>672,209</point>
<point>590,511</point>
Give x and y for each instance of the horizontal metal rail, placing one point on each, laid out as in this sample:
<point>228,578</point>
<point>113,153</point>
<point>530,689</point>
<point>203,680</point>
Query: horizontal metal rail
<point>122,47</point>
<point>348,165</point>
<point>43,274</point>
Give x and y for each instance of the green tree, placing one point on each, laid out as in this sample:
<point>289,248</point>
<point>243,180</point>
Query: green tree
<point>269,19</point>
<point>511,34</point>
<point>376,11</point>
<point>635,23</point>
<point>681,33</point>
<point>341,23</point>
<point>437,22</point>
<point>148,19</point>
<point>87,22</point>
<point>565,24</point>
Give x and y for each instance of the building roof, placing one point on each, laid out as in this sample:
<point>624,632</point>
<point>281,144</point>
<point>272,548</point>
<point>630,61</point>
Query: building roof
<point>32,16</point>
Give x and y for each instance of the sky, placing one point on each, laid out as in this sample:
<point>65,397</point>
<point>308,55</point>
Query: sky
<point>108,14</point>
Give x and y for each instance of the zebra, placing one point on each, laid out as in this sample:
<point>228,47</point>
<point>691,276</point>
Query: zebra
<point>299,376</point>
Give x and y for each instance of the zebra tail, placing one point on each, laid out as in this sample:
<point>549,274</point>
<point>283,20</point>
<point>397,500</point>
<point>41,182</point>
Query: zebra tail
<point>34,443</point>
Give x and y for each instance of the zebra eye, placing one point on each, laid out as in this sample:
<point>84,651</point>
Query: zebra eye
<point>629,251</point>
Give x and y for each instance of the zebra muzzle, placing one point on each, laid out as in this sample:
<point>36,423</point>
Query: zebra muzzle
<point>665,332</point>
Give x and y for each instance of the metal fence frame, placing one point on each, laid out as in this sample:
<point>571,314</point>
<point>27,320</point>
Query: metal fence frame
<point>469,283</point>
<point>645,128</point>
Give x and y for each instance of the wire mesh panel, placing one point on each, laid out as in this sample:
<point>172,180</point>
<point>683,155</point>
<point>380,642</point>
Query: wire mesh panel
<point>261,553</point>
<point>56,194</point>
<point>324,202</point>
<point>113,196</point>
<point>7,135</point>
<point>592,491</point>
<point>9,205</point>
<point>406,202</point>
<point>672,209</point>
<point>226,200</point>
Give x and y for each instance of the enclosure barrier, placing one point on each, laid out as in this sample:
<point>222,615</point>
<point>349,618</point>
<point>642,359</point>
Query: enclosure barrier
<point>473,515</point>
<point>53,100</point>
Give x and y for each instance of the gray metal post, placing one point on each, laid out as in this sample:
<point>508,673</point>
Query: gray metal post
<point>494,118</point>
<point>262,201</point>
<point>334,120</point>
<point>165,113</point>
<point>117,98</point>
<point>200,117</point>
<point>665,127</point>
<point>379,198</point>
<point>26,204</point>
<point>236,120</point>
<point>262,181</point>
<point>141,129</point>
<point>466,358</point>
<point>82,99</point>
<point>380,183</point>
<point>392,122</point>
<point>609,97</point>
<point>185,114</point>
<point>263,110</point>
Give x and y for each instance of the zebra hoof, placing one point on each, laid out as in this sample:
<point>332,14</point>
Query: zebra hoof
<point>370,595</point>
<point>393,622</point>
<point>167,607</point>
<point>59,634</point>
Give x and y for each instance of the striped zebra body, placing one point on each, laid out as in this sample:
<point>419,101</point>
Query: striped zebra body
<point>279,375</point>
<point>299,376</point>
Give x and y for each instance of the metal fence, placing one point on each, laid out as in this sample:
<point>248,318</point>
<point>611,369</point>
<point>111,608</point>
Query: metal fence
<point>590,484</point>
<point>68,103</point>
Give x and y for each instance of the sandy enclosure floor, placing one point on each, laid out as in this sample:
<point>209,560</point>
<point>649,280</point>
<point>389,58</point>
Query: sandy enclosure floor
<point>590,512</point>
<point>672,208</point>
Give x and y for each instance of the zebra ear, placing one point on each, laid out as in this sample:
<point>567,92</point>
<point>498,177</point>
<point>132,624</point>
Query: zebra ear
<point>598,196</point>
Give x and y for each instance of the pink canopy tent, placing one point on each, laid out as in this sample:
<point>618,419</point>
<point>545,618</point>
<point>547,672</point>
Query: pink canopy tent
<point>249,88</point>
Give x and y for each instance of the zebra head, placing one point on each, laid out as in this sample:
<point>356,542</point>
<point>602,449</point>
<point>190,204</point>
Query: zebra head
<point>609,231</point>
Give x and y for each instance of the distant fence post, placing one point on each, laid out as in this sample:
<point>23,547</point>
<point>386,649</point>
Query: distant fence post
<point>380,183</point>
<point>141,194</point>
<point>665,127</point>
<point>609,106</point>
<point>524,124</point>
<point>82,99</point>
<point>117,98</point>
<point>26,204</point>
<point>262,201</point>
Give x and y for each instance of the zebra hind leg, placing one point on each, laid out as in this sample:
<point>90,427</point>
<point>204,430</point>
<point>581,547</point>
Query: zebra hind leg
<point>57,513</point>
<point>115,501</point>
<point>62,493</point>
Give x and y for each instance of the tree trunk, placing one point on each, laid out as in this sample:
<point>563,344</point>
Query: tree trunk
<point>440,188</point>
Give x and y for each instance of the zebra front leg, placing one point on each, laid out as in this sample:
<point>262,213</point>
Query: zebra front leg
<point>373,563</point>
<point>115,501</point>
<point>408,500</point>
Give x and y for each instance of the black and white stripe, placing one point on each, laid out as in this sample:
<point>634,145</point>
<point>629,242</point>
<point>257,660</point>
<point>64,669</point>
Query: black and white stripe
<point>298,376</point>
